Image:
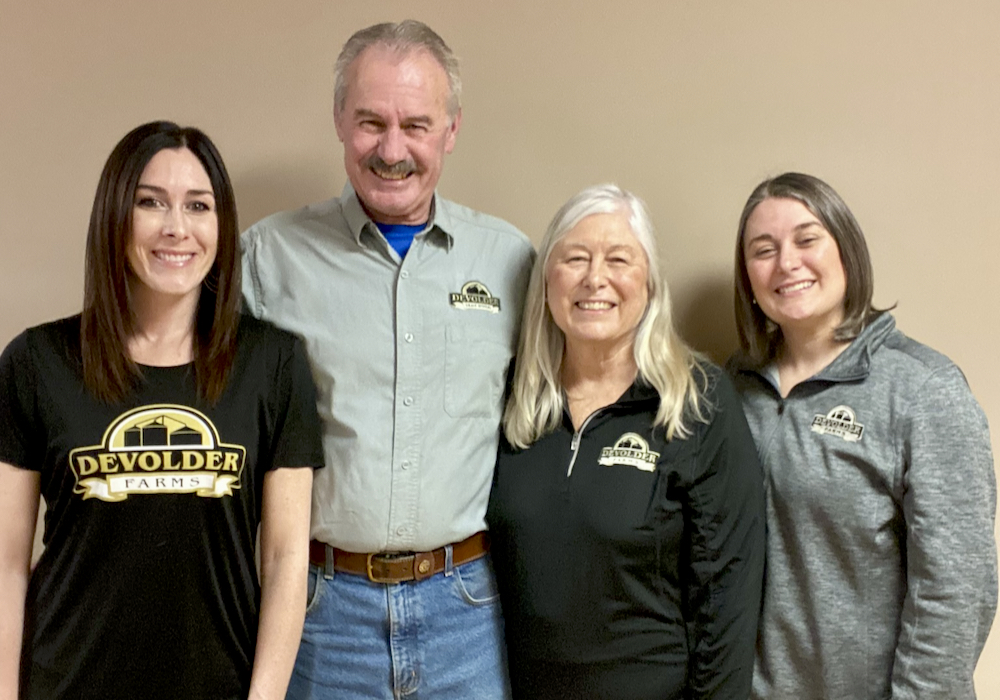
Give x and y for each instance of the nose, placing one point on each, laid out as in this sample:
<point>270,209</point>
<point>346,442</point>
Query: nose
<point>391,147</point>
<point>174,223</point>
<point>597,275</point>
<point>789,258</point>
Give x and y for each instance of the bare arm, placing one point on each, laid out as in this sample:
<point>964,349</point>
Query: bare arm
<point>19,490</point>
<point>284,563</point>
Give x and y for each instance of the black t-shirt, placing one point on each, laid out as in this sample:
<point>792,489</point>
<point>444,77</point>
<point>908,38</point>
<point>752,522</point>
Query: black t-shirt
<point>147,587</point>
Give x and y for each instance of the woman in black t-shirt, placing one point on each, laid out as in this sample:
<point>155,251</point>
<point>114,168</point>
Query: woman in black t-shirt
<point>158,425</point>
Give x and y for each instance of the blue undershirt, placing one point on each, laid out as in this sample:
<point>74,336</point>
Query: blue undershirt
<point>400,236</point>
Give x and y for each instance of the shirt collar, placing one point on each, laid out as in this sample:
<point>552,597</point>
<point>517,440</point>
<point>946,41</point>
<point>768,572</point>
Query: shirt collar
<point>852,364</point>
<point>440,222</point>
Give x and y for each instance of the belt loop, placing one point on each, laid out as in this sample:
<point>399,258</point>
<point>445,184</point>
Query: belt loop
<point>328,563</point>
<point>449,560</point>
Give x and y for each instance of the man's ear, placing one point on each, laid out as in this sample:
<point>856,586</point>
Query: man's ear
<point>452,135</point>
<point>337,115</point>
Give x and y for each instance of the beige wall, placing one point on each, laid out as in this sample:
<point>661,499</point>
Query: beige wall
<point>895,103</point>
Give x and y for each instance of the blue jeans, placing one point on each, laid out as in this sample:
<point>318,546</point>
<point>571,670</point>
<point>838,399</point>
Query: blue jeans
<point>437,639</point>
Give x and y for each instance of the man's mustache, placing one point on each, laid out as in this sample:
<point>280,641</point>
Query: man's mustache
<point>399,169</point>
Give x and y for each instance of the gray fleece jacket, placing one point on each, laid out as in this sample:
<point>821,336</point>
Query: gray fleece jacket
<point>881,578</point>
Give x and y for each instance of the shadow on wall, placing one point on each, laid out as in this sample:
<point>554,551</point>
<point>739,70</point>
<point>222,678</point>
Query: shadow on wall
<point>283,184</point>
<point>703,315</point>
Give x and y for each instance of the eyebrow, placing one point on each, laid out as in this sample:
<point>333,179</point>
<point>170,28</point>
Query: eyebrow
<point>768,237</point>
<point>160,190</point>
<point>807,224</point>
<point>363,113</point>
<point>613,249</point>
<point>758,237</point>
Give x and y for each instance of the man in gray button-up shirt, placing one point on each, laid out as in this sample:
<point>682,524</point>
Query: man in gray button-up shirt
<point>409,305</point>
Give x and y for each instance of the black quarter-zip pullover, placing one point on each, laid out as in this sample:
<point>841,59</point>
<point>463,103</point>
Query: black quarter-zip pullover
<point>630,567</point>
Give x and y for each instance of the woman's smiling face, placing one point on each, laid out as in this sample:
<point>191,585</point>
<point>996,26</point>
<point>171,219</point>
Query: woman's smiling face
<point>597,281</point>
<point>794,267</point>
<point>175,227</point>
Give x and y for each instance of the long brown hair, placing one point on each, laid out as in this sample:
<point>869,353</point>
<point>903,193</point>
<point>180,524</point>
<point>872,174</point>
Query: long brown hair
<point>760,337</point>
<point>108,318</point>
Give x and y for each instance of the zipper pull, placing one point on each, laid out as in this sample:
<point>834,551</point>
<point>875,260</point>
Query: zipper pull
<point>575,444</point>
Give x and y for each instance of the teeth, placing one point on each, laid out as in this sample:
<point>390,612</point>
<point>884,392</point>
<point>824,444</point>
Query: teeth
<point>798,286</point>
<point>391,175</point>
<point>595,305</point>
<point>174,257</point>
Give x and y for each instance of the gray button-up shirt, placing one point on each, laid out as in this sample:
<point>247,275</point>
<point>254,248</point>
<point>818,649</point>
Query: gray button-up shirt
<point>409,358</point>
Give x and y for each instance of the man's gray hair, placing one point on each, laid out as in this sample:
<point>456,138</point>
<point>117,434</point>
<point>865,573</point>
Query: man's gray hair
<point>402,37</point>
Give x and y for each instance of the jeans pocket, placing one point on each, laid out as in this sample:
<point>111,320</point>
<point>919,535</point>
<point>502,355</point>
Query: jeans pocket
<point>476,583</point>
<point>315,583</point>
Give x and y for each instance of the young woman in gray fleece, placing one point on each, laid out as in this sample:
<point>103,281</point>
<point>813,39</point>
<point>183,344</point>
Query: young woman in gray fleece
<point>881,577</point>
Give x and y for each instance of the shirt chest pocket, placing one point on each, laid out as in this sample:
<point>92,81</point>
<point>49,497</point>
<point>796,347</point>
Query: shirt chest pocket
<point>475,366</point>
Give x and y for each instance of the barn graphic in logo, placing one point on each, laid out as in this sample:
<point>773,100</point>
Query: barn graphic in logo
<point>158,449</point>
<point>475,296</point>
<point>840,421</point>
<point>630,450</point>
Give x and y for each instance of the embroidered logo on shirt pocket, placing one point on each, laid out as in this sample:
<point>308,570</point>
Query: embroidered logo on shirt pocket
<point>630,450</point>
<point>476,297</point>
<point>841,422</point>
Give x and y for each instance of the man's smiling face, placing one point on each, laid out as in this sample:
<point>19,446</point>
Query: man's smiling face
<point>396,131</point>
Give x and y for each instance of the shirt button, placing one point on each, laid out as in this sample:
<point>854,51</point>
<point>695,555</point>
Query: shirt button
<point>408,337</point>
<point>408,401</point>
<point>405,464</point>
<point>404,274</point>
<point>401,530</point>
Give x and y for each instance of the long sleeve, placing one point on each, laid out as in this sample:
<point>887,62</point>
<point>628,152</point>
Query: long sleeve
<point>949,504</point>
<point>727,553</point>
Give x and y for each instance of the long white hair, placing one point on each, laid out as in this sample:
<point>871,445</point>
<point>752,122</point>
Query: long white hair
<point>663,360</point>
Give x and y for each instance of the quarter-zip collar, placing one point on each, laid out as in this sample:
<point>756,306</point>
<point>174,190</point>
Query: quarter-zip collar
<point>635,396</point>
<point>638,393</point>
<point>853,364</point>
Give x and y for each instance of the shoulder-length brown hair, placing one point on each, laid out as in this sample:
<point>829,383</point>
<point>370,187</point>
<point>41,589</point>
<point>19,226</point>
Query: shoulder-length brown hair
<point>760,337</point>
<point>108,318</point>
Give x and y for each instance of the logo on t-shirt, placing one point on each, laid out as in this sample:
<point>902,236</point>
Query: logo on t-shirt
<point>840,421</point>
<point>158,449</point>
<point>630,450</point>
<point>475,296</point>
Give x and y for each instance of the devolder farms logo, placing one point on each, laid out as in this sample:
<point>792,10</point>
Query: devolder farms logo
<point>840,421</point>
<point>476,296</point>
<point>158,449</point>
<point>630,450</point>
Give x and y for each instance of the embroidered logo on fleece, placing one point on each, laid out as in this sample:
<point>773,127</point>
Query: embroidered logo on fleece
<point>630,450</point>
<point>840,421</point>
<point>475,297</point>
<point>158,449</point>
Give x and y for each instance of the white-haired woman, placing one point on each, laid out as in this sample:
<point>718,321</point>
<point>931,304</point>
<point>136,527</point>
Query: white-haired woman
<point>627,512</point>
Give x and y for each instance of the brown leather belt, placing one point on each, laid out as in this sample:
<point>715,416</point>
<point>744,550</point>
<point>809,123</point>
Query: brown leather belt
<point>384,567</point>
